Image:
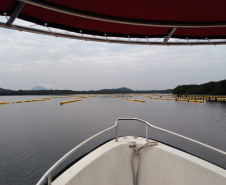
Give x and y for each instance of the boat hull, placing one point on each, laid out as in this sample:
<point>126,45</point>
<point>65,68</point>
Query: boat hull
<point>111,164</point>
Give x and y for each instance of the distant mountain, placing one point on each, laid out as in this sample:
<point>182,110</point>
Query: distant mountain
<point>38,88</point>
<point>167,91</point>
<point>1,89</point>
<point>121,89</point>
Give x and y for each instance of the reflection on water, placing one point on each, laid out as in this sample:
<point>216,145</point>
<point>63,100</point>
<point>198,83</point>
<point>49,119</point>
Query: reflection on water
<point>33,136</point>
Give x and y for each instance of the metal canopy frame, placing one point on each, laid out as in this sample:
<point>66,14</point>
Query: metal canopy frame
<point>15,14</point>
<point>108,40</point>
<point>121,40</point>
<point>169,35</point>
<point>184,42</point>
<point>121,20</point>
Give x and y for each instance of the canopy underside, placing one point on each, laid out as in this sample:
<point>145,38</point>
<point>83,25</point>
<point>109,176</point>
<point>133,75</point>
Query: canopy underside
<point>129,21</point>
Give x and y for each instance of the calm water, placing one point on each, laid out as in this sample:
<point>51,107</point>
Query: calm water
<point>33,136</point>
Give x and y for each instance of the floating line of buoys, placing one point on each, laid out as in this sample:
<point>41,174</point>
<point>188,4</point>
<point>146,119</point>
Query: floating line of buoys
<point>152,96</point>
<point>181,100</point>
<point>81,97</point>
<point>4,103</point>
<point>27,101</point>
<point>156,98</point>
<point>77,98</point>
<point>200,101</point>
<point>165,99</point>
<point>137,100</point>
<point>215,98</point>
<point>125,99</point>
<point>190,100</point>
<point>69,101</point>
<point>43,99</point>
<point>46,99</point>
<point>112,95</point>
<point>172,97</point>
<point>90,96</point>
<point>19,101</point>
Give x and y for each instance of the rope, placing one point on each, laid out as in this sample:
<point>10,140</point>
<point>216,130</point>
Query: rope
<point>136,153</point>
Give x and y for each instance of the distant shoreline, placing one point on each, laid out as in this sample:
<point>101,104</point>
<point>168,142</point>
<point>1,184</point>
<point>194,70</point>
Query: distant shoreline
<point>70,92</point>
<point>210,88</point>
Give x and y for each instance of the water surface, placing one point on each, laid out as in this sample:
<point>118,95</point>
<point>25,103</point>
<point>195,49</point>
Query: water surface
<point>33,136</point>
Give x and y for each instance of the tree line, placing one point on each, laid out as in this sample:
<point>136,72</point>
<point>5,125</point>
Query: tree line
<point>69,92</point>
<point>213,88</point>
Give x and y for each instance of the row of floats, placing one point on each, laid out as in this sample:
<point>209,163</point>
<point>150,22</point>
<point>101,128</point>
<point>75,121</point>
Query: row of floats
<point>160,97</point>
<point>77,98</point>
<point>69,101</point>
<point>178,99</point>
<point>25,101</point>
<point>136,100</point>
<point>215,98</point>
<point>127,97</point>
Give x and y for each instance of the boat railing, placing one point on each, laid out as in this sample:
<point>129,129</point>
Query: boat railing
<point>47,175</point>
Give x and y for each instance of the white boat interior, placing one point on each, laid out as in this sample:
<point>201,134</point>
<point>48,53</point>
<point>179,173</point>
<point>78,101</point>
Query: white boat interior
<point>159,165</point>
<point>138,161</point>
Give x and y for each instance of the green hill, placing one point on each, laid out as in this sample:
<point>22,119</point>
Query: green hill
<point>1,89</point>
<point>213,88</point>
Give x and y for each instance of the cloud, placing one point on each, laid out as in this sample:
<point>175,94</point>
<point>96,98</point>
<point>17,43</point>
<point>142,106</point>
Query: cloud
<point>28,60</point>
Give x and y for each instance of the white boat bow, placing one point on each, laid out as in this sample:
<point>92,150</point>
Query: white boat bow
<point>138,161</point>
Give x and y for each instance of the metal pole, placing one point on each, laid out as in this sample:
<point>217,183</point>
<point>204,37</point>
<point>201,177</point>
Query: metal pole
<point>15,13</point>
<point>169,35</point>
<point>116,133</point>
<point>49,179</point>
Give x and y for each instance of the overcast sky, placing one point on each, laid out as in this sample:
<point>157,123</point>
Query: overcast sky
<point>28,60</point>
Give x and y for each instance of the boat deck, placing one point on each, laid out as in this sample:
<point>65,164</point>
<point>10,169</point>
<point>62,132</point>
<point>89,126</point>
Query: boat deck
<point>112,164</point>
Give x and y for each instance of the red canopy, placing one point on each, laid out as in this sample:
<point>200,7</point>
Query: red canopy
<point>191,19</point>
